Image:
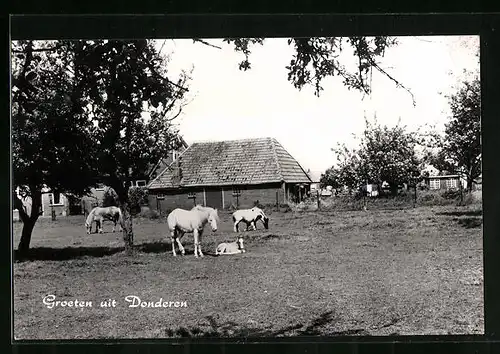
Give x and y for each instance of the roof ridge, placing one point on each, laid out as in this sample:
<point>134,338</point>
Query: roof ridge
<point>229,140</point>
<point>168,167</point>
<point>275,155</point>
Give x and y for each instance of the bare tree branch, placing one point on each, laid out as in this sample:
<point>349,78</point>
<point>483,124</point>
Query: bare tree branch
<point>153,71</point>
<point>398,84</point>
<point>206,43</point>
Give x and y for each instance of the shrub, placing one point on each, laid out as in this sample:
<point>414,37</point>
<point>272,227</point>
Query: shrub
<point>423,187</point>
<point>137,197</point>
<point>110,198</point>
<point>149,214</point>
<point>451,194</point>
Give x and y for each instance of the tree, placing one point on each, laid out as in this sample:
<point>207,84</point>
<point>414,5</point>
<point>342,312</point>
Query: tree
<point>349,171</point>
<point>331,177</point>
<point>91,96</point>
<point>49,129</point>
<point>389,154</point>
<point>384,155</point>
<point>461,146</point>
<point>316,58</point>
<point>120,78</point>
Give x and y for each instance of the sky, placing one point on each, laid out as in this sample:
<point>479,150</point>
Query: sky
<point>226,103</point>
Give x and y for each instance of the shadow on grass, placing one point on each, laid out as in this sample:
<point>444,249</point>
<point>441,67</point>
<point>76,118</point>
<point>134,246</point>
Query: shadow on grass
<point>64,254</point>
<point>166,247</point>
<point>68,253</point>
<point>470,223</point>
<point>462,213</point>
<point>232,329</point>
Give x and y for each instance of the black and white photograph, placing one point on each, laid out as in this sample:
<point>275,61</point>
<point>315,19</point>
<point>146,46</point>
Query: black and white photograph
<point>246,187</point>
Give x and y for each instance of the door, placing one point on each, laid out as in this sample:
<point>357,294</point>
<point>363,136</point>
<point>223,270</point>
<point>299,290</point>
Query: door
<point>213,198</point>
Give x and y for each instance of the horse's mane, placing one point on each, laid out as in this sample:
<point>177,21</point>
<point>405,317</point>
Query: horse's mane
<point>206,209</point>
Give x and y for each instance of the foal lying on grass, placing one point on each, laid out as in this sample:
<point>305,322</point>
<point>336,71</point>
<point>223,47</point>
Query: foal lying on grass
<point>230,247</point>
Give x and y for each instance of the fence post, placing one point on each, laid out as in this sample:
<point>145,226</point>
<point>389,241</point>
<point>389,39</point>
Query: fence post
<point>461,191</point>
<point>277,201</point>
<point>317,198</point>
<point>53,212</point>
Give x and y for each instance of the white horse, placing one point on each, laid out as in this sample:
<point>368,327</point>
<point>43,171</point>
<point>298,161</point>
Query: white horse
<point>99,214</point>
<point>250,217</point>
<point>181,221</point>
<point>230,247</point>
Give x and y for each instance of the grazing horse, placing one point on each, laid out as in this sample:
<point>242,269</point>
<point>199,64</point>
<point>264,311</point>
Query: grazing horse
<point>230,247</point>
<point>250,217</point>
<point>181,221</point>
<point>98,214</point>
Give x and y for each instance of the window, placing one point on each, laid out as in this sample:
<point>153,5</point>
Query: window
<point>100,186</point>
<point>192,195</point>
<point>140,183</point>
<point>160,196</point>
<point>236,191</point>
<point>434,183</point>
<point>451,183</point>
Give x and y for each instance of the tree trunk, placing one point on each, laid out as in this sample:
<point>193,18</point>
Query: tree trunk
<point>24,244</point>
<point>394,189</point>
<point>469,184</point>
<point>29,211</point>
<point>126,222</point>
<point>127,229</point>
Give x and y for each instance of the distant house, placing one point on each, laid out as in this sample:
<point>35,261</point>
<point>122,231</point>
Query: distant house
<point>58,202</point>
<point>230,173</point>
<point>315,178</point>
<point>51,201</point>
<point>96,195</point>
<point>443,182</point>
<point>316,185</point>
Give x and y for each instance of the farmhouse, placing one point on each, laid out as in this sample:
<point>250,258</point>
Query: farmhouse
<point>236,173</point>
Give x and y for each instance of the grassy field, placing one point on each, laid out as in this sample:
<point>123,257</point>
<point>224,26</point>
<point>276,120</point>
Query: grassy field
<point>392,272</point>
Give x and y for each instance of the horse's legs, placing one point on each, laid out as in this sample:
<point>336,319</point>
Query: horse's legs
<point>114,226</point>
<point>200,234</point>
<point>248,224</point>
<point>172,238</point>
<point>236,225</point>
<point>181,248</point>
<point>196,242</point>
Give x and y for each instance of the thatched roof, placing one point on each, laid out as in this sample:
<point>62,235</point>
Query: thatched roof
<point>232,162</point>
